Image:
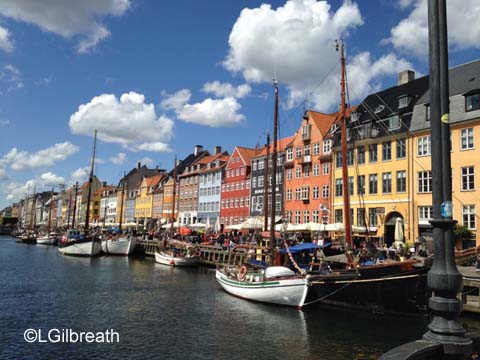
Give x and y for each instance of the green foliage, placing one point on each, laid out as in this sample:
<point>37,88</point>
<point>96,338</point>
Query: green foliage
<point>461,232</point>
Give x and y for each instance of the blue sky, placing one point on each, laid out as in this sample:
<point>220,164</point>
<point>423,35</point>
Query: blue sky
<point>156,77</point>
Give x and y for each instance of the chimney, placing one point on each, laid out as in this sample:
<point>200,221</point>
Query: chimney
<point>406,76</point>
<point>217,150</point>
<point>139,164</point>
<point>198,149</point>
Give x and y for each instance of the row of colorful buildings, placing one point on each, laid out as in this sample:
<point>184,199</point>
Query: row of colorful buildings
<point>389,171</point>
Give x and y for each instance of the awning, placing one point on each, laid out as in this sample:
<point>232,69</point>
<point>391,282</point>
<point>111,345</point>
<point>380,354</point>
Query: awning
<point>303,247</point>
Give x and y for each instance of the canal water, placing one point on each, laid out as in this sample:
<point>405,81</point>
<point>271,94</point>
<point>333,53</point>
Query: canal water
<point>168,313</point>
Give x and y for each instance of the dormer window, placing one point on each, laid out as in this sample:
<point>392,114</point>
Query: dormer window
<point>403,101</point>
<point>472,101</point>
<point>379,109</point>
<point>427,112</point>
<point>334,128</point>
<point>355,116</point>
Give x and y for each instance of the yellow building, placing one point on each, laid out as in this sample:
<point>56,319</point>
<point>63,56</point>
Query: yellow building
<point>144,199</point>
<point>379,158</point>
<point>465,142</point>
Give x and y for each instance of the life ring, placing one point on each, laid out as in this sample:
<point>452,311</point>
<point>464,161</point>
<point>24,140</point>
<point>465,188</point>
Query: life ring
<point>243,272</point>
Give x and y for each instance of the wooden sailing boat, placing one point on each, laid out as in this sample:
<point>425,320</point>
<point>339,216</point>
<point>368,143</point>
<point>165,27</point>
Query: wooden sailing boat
<point>86,244</point>
<point>177,253</point>
<point>49,238</point>
<point>120,244</point>
<point>380,285</point>
<point>276,284</point>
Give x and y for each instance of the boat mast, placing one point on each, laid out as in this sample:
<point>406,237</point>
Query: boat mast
<point>121,203</point>
<point>274,173</point>
<point>50,213</point>
<point>34,206</point>
<point>90,182</point>
<point>346,187</point>
<point>174,193</point>
<point>265,200</point>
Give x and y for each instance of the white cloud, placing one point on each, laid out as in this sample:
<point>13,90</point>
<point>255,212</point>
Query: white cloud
<point>226,90</point>
<point>11,78</point>
<point>152,146</point>
<point>146,161</point>
<point>67,18</point>
<point>128,121</point>
<point>23,160</point>
<point>405,3</point>
<point>175,101</point>
<point>44,81</point>
<point>6,43</point>
<point>80,175</point>
<point>410,35</point>
<point>4,122</point>
<point>15,191</point>
<point>3,174</point>
<point>295,42</point>
<point>212,112</point>
<point>119,159</point>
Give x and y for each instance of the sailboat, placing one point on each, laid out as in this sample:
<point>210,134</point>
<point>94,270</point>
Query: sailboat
<point>75,243</point>
<point>177,253</point>
<point>120,244</point>
<point>276,284</point>
<point>380,285</point>
<point>49,238</point>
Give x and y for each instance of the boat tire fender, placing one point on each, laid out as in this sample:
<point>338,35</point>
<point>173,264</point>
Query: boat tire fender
<point>243,272</point>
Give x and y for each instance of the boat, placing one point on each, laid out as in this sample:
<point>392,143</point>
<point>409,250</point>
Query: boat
<point>277,285</point>
<point>377,280</point>
<point>178,257</point>
<point>74,243</point>
<point>120,243</point>
<point>274,285</point>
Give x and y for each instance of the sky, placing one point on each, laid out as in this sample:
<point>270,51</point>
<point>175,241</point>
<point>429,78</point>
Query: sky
<point>156,78</point>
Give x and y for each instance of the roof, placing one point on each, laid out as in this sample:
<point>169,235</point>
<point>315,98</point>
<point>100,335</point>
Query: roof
<point>281,145</point>
<point>322,121</point>
<point>245,153</point>
<point>153,180</point>
<point>136,175</point>
<point>105,188</point>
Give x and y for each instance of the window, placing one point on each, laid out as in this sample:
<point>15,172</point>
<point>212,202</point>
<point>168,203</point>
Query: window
<point>468,216</point>
<point>427,112</point>
<point>472,102</point>
<point>355,116</point>
<point>289,194</point>
<point>327,147</point>
<point>316,170</point>
<point>305,192</point>
<point>298,172</point>
<point>392,122</point>
<point>298,194</point>
<point>372,152</point>
<point>387,182</point>
<point>289,154</point>
<point>260,181</point>
<point>387,150</point>
<point>361,184</point>
<point>361,216</point>
<point>261,164</point>
<point>325,191</point>
<point>316,149</point>
<point>372,216</point>
<point>403,102</point>
<point>468,178</point>
<point>401,149</point>
<point>306,171</point>
<point>306,216</point>
<point>466,139</point>
<point>315,216</point>
<point>298,152</point>
<point>424,146</point>
<point>379,109</point>
<point>306,132</point>
<point>254,183</point>
<point>338,187</point>
<point>338,215</point>
<point>306,150</point>
<point>350,185</point>
<point>326,168</point>
<point>289,174</point>
<point>297,216</point>
<point>338,159</point>
<point>254,164</point>
<point>350,157</point>
<point>424,181</point>
<point>425,213</point>
<point>361,155</point>
<point>372,184</point>
<point>401,181</point>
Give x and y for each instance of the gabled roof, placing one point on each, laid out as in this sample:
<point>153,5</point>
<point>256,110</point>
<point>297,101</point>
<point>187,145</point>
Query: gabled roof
<point>281,146</point>
<point>245,153</point>
<point>136,175</point>
<point>153,180</point>
<point>321,120</point>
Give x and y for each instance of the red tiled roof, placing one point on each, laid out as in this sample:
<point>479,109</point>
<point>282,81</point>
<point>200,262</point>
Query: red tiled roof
<point>246,154</point>
<point>281,145</point>
<point>153,180</point>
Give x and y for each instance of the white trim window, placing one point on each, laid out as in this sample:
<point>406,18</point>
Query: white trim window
<point>289,174</point>
<point>327,146</point>
<point>468,178</point>
<point>325,191</point>
<point>424,181</point>
<point>316,169</point>
<point>424,146</point>
<point>326,168</point>
<point>469,217</point>
<point>289,154</point>
<point>298,172</point>
<point>425,213</point>
<point>466,139</point>
<point>316,148</point>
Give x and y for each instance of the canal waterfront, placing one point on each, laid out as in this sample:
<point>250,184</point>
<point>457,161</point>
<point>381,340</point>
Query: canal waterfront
<point>168,313</point>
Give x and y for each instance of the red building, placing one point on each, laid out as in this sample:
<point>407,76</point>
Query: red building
<point>235,197</point>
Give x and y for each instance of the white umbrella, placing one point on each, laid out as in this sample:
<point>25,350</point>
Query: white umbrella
<point>217,224</point>
<point>207,224</point>
<point>398,230</point>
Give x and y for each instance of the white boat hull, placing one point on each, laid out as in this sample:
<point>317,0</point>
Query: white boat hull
<point>88,248</point>
<point>283,291</point>
<point>166,259</point>
<point>45,240</point>
<point>120,246</point>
